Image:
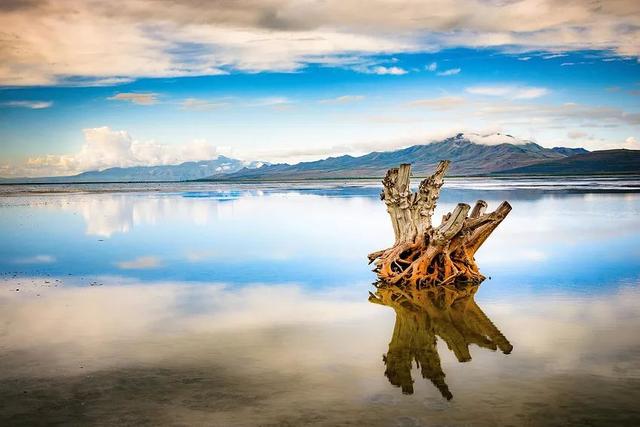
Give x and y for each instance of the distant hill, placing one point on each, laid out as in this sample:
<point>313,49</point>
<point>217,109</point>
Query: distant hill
<point>471,154</point>
<point>592,163</point>
<point>182,172</point>
<point>569,151</point>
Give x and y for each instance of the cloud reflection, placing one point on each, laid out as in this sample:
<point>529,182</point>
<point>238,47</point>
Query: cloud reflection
<point>36,259</point>
<point>220,353</point>
<point>139,263</point>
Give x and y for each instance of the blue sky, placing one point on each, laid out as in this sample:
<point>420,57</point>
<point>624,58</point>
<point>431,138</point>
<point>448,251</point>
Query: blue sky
<point>100,87</point>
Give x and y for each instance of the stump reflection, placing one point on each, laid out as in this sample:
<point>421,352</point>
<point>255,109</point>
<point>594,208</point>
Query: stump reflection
<point>449,313</point>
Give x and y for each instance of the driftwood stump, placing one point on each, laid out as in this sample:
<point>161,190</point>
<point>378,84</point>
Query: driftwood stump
<point>423,255</point>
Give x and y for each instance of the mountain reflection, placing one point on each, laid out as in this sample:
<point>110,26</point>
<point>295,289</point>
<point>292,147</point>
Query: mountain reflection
<point>452,315</point>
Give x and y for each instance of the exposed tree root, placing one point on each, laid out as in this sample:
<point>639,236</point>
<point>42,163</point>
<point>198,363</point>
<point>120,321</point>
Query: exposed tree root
<point>424,256</point>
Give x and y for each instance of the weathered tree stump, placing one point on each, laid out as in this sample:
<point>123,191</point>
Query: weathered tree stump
<point>423,255</point>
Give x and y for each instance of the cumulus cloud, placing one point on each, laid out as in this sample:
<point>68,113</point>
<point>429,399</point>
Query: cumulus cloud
<point>631,143</point>
<point>34,105</point>
<point>506,91</point>
<point>104,148</point>
<point>344,99</point>
<point>432,67</point>
<point>450,72</point>
<point>139,98</point>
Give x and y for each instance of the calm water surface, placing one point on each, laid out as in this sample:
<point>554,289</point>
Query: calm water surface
<point>216,304</point>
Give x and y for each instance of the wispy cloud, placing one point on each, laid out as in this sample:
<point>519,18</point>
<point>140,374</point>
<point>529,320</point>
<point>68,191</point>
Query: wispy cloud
<point>432,67</point>
<point>202,104</point>
<point>274,102</point>
<point>34,105</point>
<point>555,55</point>
<point>576,134</point>
<point>505,91</point>
<point>140,263</point>
<point>441,103</point>
<point>344,99</point>
<point>36,259</point>
<point>449,72</point>
<point>140,98</point>
<point>563,114</point>
<point>382,70</point>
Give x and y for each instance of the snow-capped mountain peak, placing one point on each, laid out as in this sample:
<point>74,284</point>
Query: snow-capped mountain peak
<point>492,139</point>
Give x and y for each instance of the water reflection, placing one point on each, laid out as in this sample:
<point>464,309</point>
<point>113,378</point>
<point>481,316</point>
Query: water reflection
<point>206,308</point>
<point>177,353</point>
<point>448,313</point>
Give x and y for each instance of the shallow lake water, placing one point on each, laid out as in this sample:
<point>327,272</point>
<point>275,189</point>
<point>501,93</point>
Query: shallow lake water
<point>220,304</point>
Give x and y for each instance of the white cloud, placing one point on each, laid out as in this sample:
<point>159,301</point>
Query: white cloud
<point>344,99</point>
<point>576,134</point>
<point>140,263</point>
<point>280,103</point>
<point>36,259</point>
<point>450,72</point>
<point>34,105</point>
<point>201,104</point>
<point>139,98</point>
<point>50,42</point>
<point>104,148</point>
<point>441,103</point>
<point>494,139</point>
<point>631,143</point>
<point>382,70</point>
<point>506,91</point>
<point>432,67</point>
<point>530,93</point>
<point>557,55</point>
<point>561,115</point>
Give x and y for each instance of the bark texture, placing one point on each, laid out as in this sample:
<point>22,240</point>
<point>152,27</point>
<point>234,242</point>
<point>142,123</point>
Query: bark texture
<point>423,255</point>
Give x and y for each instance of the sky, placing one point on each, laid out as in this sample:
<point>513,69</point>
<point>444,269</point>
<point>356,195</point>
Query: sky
<point>88,85</point>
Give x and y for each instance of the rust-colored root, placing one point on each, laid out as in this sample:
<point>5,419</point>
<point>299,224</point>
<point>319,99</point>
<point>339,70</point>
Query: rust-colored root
<point>423,255</point>
<point>418,265</point>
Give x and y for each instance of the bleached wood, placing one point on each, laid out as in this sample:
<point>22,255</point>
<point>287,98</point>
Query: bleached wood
<point>424,255</point>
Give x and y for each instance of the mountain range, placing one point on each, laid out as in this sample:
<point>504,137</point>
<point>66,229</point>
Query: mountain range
<point>593,163</point>
<point>470,154</point>
<point>187,171</point>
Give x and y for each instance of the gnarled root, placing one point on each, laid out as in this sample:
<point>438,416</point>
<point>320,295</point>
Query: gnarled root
<point>422,255</point>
